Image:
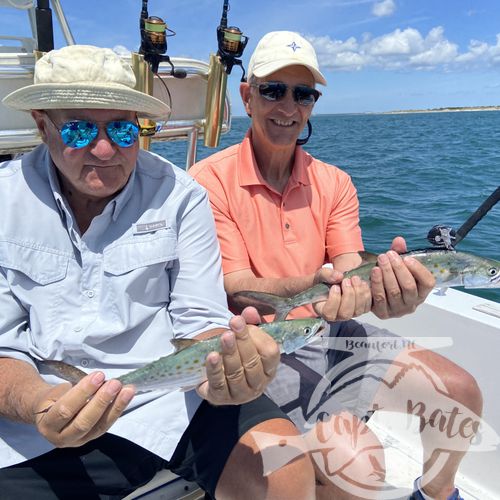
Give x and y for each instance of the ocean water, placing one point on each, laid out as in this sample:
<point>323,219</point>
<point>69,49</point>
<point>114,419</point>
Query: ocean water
<point>412,171</point>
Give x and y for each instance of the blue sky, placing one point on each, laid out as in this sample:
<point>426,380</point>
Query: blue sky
<point>377,55</point>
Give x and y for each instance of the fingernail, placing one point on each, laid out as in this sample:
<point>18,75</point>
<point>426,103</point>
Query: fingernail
<point>410,260</point>
<point>346,282</point>
<point>336,288</point>
<point>383,259</point>
<point>213,359</point>
<point>394,256</point>
<point>238,324</point>
<point>229,340</point>
<point>97,378</point>
<point>127,396</point>
<point>113,387</point>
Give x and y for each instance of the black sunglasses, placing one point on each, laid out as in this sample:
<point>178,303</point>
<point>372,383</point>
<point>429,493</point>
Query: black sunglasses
<point>275,91</point>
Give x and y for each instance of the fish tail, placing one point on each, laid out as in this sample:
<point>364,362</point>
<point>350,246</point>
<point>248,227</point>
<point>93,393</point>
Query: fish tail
<point>61,369</point>
<point>281,305</point>
<point>301,299</point>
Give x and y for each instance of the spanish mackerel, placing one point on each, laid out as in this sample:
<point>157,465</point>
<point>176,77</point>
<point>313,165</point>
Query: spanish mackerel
<point>450,268</point>
<point>185,368</point>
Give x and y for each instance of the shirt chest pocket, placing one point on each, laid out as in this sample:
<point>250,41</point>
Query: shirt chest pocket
<point>138,267</point>
<point>35,276</point>
<point>30,267</point>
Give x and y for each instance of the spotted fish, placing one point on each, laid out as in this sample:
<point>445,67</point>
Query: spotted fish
<point>449,267</point>
<point>185,368</point>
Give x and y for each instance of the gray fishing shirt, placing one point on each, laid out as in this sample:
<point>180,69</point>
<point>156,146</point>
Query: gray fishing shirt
<point>146,270</point>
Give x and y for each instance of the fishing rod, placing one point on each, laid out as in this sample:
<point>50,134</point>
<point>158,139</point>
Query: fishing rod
<point>447,237</point>
<point>146,62</point>
<point>44,27</point>
<point>231,42</point>
<point>154,34</point>
<point>485,207</point>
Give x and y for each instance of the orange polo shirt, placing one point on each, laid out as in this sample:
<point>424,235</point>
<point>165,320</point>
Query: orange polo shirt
<point>279,235</point>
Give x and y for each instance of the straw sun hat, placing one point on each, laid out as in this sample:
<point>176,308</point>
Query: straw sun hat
<point>83,76</point>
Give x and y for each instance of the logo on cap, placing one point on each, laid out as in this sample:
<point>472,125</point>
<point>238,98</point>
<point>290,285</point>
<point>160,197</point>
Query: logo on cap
<point>294,46</point>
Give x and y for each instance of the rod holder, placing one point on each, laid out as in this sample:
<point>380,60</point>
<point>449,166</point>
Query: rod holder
<point>214,106</point>
<point>144,83</point>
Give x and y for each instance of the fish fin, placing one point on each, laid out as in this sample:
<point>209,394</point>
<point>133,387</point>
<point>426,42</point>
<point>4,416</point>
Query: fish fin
<point>282,313</point>
<point>288,347</point>
<point>368,257</point>
<point>264,299</point>
<point>181,344</point>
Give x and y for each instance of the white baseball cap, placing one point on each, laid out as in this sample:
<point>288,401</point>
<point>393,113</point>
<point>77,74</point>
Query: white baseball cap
<point>84,76</point>
<point>279,49</point>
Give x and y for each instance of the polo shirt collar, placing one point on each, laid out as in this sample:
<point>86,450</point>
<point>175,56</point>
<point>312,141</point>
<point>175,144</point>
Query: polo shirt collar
<point>249,174</point>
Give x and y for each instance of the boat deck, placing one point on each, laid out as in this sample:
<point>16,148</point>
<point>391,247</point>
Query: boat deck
<point>403,462</point>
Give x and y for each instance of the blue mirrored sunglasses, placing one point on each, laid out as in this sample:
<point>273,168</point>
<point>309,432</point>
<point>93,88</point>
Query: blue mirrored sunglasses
<point>80,133</point>
<point>275,91</point>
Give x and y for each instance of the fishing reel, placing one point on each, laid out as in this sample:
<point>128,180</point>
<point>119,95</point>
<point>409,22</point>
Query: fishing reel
<point>442,236</point>
<point>154,34</point>
<point>231,43</point>
<point>448,238</point>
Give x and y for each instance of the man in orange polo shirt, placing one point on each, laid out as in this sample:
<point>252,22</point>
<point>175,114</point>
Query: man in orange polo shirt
<point>281,215</point>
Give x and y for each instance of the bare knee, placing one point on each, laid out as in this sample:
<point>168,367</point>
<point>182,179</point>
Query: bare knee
<point>463,388</point>
<point>348,458</point>
<point>269,462</point>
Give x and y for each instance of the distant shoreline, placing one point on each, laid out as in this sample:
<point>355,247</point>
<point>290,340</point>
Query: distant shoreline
<point>451,109</point>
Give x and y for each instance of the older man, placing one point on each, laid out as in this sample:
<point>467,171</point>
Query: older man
<point>107,253</point>
<point>282,214</point>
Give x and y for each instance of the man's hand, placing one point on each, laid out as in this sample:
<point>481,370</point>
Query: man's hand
<point>71,416</point>
<point>399,285</point>
<point>244,369</point>
<point>348,298</point>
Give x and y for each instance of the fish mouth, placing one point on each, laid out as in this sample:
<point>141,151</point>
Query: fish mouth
<point>322,328</point>
<point>494,283</point>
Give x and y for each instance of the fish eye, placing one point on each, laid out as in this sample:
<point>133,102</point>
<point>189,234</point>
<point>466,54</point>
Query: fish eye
<point>492,271</point>
<point>307,330</point>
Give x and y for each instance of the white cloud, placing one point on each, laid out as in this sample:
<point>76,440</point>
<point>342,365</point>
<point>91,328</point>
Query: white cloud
<point>345,55</point>
<point>404,49</point>
<point>408,41</point>
<point>442,53</point>
<point>121,50</point>
<point>384,8</point>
